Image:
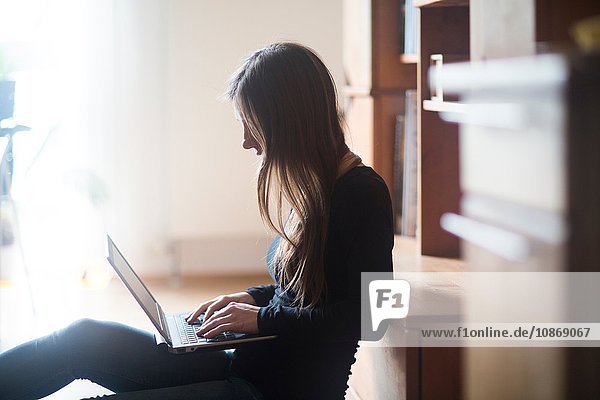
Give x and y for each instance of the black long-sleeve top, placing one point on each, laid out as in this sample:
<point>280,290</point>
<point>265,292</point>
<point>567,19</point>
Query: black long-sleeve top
<point>315,348</point>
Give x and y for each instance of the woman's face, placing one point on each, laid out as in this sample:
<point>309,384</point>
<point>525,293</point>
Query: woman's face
<point>249,142</point>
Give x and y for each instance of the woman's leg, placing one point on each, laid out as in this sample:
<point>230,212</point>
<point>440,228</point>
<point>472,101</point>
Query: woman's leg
<point>230,389</point>
<point>112,355</point>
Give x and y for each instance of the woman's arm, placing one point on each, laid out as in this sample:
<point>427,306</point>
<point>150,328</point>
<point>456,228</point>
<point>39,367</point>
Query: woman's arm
<point>261,294</point>
<point>340,320</point>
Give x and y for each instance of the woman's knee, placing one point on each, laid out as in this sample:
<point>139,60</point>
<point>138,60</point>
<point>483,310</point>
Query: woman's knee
<point>82,328</point>
<point>87,334</point>
<point>87,341</point>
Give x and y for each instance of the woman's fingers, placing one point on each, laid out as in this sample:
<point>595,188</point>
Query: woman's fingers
<point>196,313</point>
<point>235,317</point>
<point>220,329</point>
<point>209,308</point>
<point>215,323</point>
<point>213,304</point>
<point>216,306</point>
<point>217,315</point>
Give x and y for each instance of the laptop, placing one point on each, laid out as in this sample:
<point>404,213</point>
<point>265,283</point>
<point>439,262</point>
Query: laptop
<point>173,329</point>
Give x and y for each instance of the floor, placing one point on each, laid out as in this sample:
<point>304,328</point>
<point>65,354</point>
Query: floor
<point>48,302</point>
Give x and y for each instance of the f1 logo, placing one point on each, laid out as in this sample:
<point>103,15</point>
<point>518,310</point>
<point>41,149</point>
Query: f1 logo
<point>389,299</point>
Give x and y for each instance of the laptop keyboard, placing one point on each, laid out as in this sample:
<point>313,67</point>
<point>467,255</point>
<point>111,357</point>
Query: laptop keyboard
<point>187,332</point>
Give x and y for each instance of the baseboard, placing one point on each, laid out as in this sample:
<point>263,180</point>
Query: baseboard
<point>220,255</point>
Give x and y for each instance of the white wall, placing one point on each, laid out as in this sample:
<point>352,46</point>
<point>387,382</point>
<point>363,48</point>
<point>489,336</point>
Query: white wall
<point>211,177</point>
<point>135,87</point>
<point>136,159</point>
<point>212,187</point>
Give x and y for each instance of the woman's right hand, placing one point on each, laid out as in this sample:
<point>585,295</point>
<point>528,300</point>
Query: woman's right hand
<point>210,306</point>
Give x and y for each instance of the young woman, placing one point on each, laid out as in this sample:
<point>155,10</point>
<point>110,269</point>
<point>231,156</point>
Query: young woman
<point>333,220</point>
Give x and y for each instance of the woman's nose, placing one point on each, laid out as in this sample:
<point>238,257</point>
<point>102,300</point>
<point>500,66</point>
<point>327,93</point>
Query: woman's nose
<point>247,144</point>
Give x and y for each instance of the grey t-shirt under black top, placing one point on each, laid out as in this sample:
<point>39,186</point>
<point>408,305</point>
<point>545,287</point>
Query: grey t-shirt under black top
<point>315,348</point>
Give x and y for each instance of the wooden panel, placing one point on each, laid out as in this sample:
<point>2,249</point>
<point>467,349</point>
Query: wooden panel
<point>443,30</point>
<point>583,364</point>
<point>555,17</point>
<point>413,373</point>
<point>582,367</point>
<point>440,3</point>
<point>441,373</point>
<point>514,373</point>
<point>384,128</point>
<point>583,179</point>
<point>440,187</point>
<point>388,70</point>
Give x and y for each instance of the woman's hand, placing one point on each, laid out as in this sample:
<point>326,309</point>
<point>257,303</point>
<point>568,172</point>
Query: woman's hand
<point>235,317</point>
<point>211,306</point>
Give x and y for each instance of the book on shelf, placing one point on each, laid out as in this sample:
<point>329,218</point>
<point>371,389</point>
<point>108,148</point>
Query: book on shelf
<point>401,29</point>
<point>409,168</point>
<point>411,28</point>
<point>398,172</point>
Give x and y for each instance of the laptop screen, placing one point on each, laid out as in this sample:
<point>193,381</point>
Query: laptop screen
<point>133,283</point>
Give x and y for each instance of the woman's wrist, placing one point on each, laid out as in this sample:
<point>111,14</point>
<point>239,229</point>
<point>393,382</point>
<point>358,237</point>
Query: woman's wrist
<point>247,298</point>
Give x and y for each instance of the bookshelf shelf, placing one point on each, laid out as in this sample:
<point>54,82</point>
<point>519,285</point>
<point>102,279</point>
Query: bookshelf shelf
<point>356,91</point>
<point>444,106</point>
<point>409,58</point>
<point>440,3</point>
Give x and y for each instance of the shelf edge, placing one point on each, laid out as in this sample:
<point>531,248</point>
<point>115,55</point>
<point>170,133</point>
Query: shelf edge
<point>440,3</point>
<point>444,106</point>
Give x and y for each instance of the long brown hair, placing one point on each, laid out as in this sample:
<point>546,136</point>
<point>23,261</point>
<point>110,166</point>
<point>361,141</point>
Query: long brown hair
<point>286,98</point>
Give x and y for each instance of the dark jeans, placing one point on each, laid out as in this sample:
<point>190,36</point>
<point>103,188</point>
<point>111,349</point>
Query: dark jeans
<point>120,358</point>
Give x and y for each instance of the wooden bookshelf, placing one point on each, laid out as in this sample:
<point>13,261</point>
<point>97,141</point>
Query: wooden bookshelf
<point>503,30</point>
<point>376,79</point>
<point>475,30</point>
<point>444,30</point>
